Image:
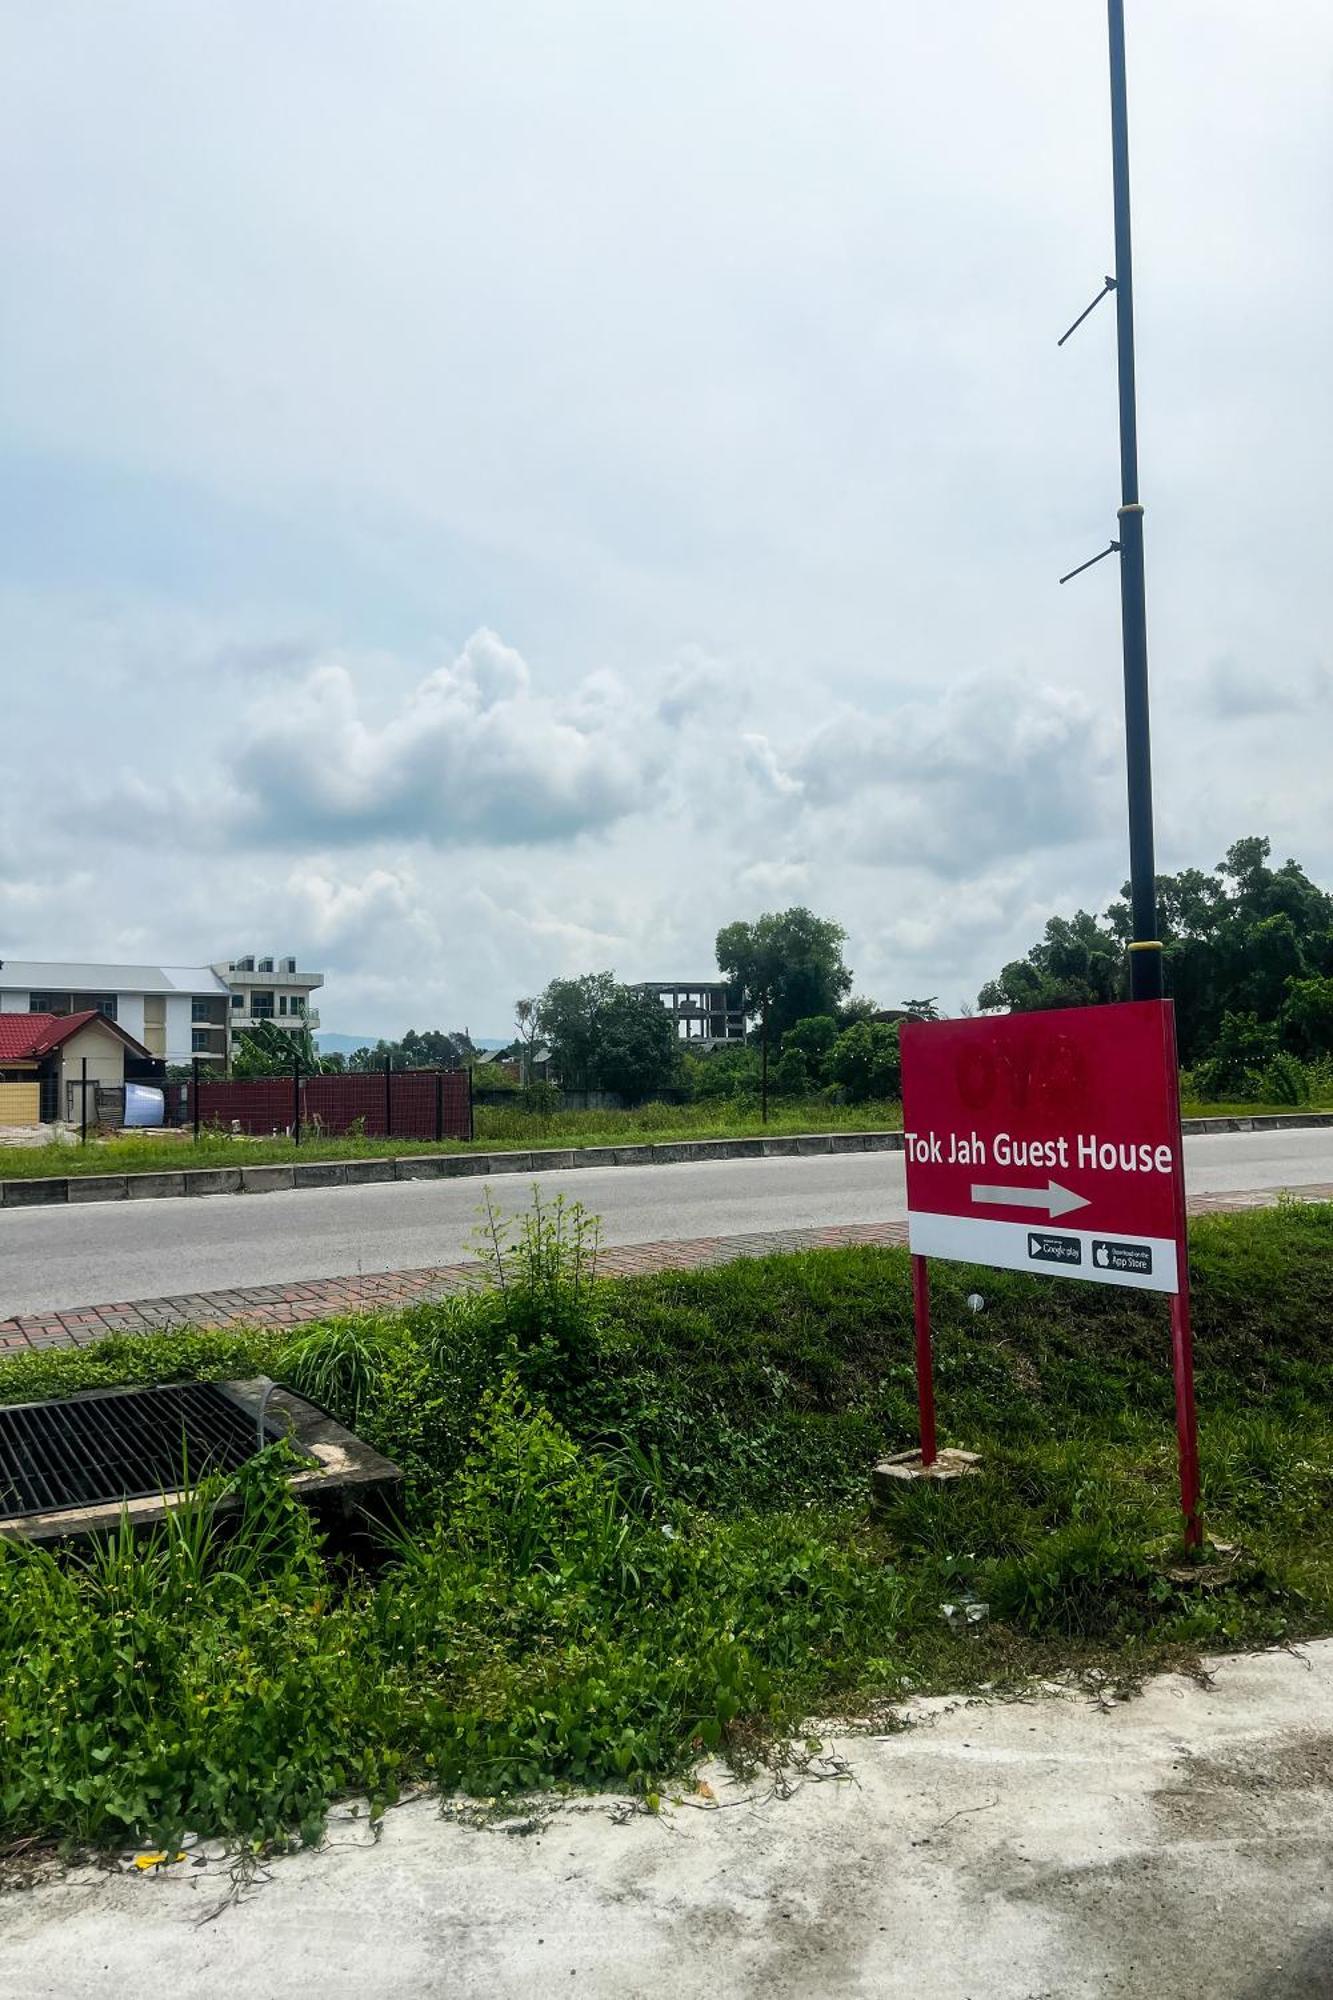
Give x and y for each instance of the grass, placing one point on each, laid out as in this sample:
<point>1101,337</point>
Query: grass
<point>499,1129</point>
<point>635,1526</point>
<point>1202,1107</point>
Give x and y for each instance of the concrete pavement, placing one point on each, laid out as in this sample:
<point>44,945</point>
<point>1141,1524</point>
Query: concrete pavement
<point>81,1256</point>
<point>1054,1849</point>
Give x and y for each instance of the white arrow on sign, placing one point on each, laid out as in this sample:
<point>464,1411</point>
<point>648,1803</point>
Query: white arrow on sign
<point>1055,1199</point>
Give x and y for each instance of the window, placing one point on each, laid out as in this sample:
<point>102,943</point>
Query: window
<point>298,1005</point>
<point>261,1006</point>
<point>238,999</point>
<point>282,1003</point>
<point>73,1003</point>
<point>201,1042</point>
<point>202,1010</point>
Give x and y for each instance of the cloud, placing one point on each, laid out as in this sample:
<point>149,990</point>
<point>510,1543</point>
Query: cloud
<point>997,765</point>
<point>472,755</point>
<point>1238,691</point>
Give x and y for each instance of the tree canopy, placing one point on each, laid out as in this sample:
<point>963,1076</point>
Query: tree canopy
<point>427,1048</point>
<point>1244,940</point>
<point>606,1036</point>
<point>790,958</point>
<point>268,1050</point>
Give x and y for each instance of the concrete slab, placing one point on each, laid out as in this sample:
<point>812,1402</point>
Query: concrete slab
<point>267,1180</point>
<point>319,1174</point>
<point>906,1468</point>
<point>1059,1849</point>
<point>357,1173</point>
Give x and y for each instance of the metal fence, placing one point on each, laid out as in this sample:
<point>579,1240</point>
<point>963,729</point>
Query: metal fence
<point>386,1104</point>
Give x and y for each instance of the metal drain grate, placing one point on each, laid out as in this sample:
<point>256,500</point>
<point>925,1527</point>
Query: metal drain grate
<point>121,1445</point>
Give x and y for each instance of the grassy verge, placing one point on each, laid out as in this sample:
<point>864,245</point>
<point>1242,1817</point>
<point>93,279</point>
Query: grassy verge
<point>498,1130</point>
<point>1206,1108</point>
<point>636,1527</point>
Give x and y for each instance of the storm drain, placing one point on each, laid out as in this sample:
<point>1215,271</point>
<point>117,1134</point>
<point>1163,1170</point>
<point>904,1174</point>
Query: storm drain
<point>121,1445</point>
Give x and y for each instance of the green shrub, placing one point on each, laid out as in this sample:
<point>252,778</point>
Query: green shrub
<point>1284,1081</point>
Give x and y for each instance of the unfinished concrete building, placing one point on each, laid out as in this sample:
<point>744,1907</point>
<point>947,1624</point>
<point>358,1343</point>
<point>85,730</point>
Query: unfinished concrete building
<point>707,1012</point>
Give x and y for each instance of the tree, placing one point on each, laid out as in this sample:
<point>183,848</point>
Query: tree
<point>1076,964</point>
<point>790,958</point>
<point>638,1049</point>
<point>268,1050</point>
<point>1244,1048</point>
<point>569,1019</point>
<point>866,1061</point>
<point>429,1048</point>
<point>1306,1021</point>
<point>1237,942</point>
<point>525,1020</point>
<point>923,1010</point>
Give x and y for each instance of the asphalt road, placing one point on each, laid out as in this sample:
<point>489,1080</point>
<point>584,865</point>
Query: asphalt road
<point>52,1258</point>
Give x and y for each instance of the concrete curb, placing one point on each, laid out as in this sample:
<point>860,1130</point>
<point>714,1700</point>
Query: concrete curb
<point>458,1166</point>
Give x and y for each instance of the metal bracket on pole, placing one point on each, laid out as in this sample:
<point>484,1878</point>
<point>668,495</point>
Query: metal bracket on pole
<point>1109,286</point>
<point>1112,549</point>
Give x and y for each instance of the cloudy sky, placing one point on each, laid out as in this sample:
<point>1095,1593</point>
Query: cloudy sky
<point>497,491</point>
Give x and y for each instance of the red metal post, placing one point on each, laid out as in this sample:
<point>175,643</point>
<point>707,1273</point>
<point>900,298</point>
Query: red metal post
<point>1182,1367</point>
<point>1182,1336</point>
<point>925,1375</point>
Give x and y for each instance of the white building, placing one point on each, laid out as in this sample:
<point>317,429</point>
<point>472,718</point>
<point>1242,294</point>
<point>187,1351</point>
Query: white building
<point>176,1011</point>
<point>264,989</point>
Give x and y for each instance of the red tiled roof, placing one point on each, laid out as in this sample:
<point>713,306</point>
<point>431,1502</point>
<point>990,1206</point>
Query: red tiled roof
<point>29,1037</point>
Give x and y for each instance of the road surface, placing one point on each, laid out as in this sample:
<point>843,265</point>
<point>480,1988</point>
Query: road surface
<point>88,1255</point>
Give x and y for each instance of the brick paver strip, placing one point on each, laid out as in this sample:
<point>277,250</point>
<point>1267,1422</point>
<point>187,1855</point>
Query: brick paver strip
<point>321,1298</point>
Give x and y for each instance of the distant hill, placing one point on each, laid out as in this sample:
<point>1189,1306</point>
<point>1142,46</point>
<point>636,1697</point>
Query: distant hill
<point>343,1045</point>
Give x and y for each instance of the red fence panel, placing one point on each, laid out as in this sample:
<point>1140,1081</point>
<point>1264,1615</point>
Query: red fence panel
<point>263,1106</point>
<point>409,1104</point>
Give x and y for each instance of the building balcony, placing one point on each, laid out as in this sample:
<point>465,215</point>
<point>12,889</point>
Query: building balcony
<point>240,1021</point>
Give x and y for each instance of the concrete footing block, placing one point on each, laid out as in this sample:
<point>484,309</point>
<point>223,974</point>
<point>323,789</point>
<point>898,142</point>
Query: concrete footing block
<point>891,1475</point>
<point>552,1162</point>
<point>267,1180</point>
<point>97,1187</point>
<point>35,1194</point>
<point>356,1173</point>
<point>319,1174</point>
<point>154,1187</point>
<point>212,1180</point>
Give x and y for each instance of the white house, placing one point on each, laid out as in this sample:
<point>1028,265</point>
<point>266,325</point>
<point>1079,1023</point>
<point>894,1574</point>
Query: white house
<point>267,989</point>
<point>175,1011</point>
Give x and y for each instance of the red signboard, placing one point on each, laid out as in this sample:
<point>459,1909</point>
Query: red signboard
<point>1048,1142</point>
